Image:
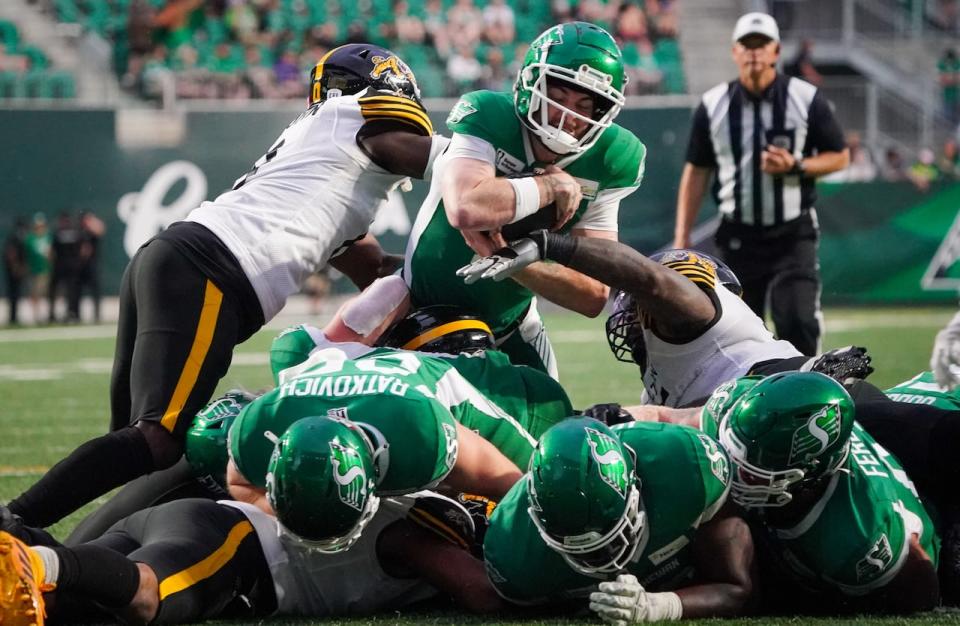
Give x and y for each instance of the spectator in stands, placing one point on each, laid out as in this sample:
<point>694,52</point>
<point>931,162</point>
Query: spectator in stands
<point>436,24</point>
<point>257,76</point>
<point>662,15</point>
<point>496,76</point>
<point>862,167</point>
<point>498,23</point>
<point>641,65</point>
<point>801,65</point>
<point>893,168</point>
<point>464,23</point>
<point>15,267</point>
<point>948,68</point>
<point>407,28</point>
<point>287,76</point>
<point>949,164</point>
<point>463,69</point>
<point>37,243</point>
<point>923,172</point>
<point>92,230</point>
<point>519,52</point>
<point>631,25</point>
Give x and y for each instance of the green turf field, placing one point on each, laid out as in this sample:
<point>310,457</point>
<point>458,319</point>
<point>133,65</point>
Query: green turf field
<point>54,385</point>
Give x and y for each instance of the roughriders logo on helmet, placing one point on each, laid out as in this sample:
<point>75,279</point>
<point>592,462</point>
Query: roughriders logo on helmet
<point>821,430</point>
<point>349,475</point>
<point>610,462</point>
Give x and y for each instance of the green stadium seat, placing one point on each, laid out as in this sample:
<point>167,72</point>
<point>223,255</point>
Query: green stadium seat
<point>9,35</point>
<point>62,85</point>
<point>38,60</point>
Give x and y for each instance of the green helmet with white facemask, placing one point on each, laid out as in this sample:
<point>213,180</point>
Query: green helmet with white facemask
<point>584,496</point>
<point>322,482</point>
<point>205,445</point>
<point>579,55</point>
<point>788,431</point>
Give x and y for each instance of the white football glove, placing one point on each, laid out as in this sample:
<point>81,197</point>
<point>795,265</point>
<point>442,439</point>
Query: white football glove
<point>625,601</point>
<point>945,360</point>
<point>506,262</point>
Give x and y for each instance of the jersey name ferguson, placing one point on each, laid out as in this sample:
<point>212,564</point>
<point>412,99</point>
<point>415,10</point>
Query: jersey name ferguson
<point>313,192</point>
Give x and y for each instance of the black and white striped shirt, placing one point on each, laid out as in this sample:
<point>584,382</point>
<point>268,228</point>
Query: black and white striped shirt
<point>731,127</point>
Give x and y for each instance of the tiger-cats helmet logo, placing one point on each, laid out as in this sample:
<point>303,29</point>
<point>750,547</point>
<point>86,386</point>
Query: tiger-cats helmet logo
<point>610,462</point>
<point>391,64</point>
<point>349,474</point>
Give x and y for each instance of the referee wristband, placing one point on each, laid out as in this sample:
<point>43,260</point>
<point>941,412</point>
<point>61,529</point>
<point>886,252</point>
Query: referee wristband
<point>528,197</point>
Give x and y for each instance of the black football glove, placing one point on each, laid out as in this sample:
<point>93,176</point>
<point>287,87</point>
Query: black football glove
<point>844,365</point>
<point>610,413</point>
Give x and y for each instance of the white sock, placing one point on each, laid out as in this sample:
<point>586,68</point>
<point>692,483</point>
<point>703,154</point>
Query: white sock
<point>51,564</point>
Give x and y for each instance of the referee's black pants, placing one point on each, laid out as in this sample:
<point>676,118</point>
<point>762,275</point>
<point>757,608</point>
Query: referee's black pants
<point>784,269</point>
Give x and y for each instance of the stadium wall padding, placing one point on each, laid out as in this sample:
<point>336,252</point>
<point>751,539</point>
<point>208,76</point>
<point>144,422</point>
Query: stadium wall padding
<point>878,237</point>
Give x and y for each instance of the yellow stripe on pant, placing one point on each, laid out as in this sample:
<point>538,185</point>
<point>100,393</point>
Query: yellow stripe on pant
<point>209,566</point>
<point>212,299</point>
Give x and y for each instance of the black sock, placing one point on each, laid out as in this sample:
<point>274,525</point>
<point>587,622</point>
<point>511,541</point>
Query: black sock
<point>99,574</point>
<point>90,471</point>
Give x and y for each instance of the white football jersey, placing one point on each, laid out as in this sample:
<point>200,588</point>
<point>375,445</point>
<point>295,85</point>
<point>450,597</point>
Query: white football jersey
<point>312,192</point>
<point>678,374</point>
<point>311,584</point>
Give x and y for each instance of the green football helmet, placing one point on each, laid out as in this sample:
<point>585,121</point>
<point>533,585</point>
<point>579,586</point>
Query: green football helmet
<point>585,496</point>
<point>790,430</point>
<point>206,440</point>
<point>322,482</point>
<point>587,58</point>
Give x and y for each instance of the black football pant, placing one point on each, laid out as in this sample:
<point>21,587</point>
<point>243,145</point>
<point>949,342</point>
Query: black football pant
<point>207,558</point>
<point>785,270</point>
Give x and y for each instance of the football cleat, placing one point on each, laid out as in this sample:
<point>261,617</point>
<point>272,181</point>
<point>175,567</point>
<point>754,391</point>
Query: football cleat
<point>21,584</point>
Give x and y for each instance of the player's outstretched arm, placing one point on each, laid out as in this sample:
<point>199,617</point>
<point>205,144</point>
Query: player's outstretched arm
<point>481,468</point>
<point>404,549</point>
<point>364,318</point>
<point>403,152</point>
<point>243,491</point>
<point>365,261</point>
<point>678,305</point>
<point>723,552</point>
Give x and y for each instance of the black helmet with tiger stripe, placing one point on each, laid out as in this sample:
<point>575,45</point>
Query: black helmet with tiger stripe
<point>700,267</point>
<point>351,68</point>
<point>625,324</point>
<point>439,328</point>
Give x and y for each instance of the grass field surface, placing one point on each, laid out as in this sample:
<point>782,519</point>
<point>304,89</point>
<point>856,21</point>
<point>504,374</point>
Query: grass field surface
<point>54,387</point>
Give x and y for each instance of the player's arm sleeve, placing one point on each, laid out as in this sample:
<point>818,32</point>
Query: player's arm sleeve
<point>700,145</point>
<point>824,132</point>
<point>406,113</point>
<point>878,552</point>
<point>627,161</point>
<point>249,456</point>
<point>715,472</point>
<point>470,147</point>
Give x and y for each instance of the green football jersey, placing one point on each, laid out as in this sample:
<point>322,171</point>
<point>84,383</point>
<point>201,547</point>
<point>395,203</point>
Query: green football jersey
<point>434,396</point>
<point>856,538</point>
<point>436,250</point>
<point>923,389</point>
<point>533,399</point>
<point>684,479</point>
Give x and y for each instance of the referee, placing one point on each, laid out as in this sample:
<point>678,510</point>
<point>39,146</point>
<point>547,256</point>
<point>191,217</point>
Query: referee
<point>768,136</point>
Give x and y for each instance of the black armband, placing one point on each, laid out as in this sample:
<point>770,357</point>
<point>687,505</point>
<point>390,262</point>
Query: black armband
<point>559,248</point>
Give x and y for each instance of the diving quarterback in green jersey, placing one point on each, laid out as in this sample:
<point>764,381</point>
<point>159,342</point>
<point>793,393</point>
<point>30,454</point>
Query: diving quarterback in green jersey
<point>838,515</point>
<point>642,501</point>
<point>923,389</point>
<point>551,142</point>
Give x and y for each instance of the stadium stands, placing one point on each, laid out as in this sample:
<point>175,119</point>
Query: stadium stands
<point>261,48</point>
<point>25,70</point>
